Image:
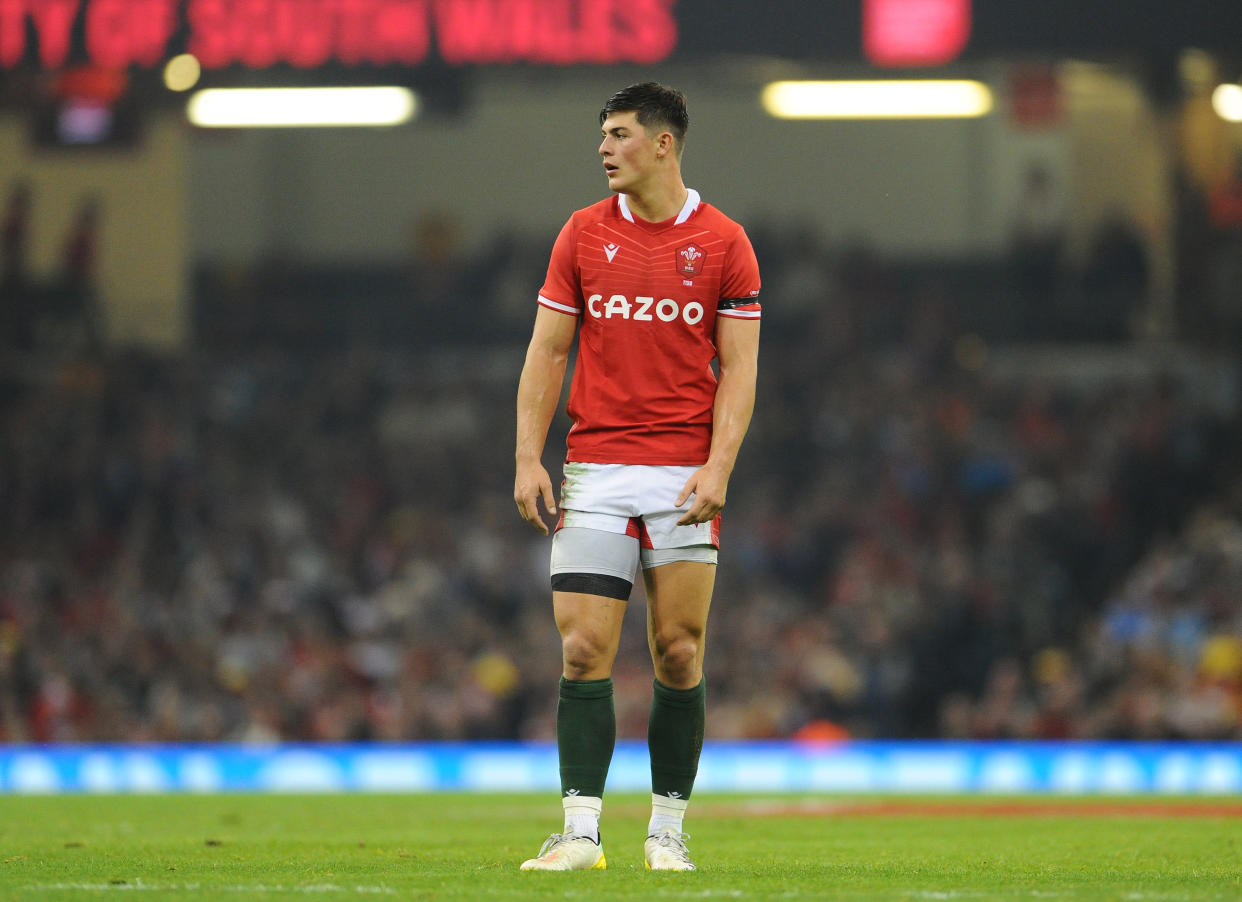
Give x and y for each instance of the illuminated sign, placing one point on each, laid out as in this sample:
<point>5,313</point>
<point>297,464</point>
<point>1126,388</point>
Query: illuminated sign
<point>307,33</point>
<point>915,32</point>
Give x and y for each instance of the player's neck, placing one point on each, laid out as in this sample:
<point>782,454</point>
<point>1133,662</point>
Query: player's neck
<point>657,202</point>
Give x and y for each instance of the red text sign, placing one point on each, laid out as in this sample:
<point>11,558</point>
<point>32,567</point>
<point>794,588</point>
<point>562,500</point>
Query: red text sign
<point>915,32</point>
<point>307,33</point>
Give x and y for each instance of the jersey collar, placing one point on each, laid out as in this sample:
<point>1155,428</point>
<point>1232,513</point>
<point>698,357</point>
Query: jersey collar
<point>692,201</point>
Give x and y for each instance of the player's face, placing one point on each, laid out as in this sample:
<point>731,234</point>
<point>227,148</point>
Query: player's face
<point>629,152</point>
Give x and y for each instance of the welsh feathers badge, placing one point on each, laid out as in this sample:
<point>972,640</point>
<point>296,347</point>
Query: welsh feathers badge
<point>690,259</point>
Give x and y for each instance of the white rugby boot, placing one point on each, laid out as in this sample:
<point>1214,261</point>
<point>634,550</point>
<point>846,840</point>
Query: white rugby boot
<point>666,851</point>
<point>567,852</point>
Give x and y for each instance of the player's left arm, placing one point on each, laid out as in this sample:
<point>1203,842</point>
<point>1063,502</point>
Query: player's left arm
<point>737,350</point>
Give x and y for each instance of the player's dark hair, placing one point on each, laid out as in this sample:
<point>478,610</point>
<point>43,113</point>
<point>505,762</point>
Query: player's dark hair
<point>656,105</point>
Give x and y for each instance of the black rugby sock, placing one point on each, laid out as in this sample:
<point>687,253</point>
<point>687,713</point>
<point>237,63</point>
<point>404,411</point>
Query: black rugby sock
<point>586,733</point>
<point>675,738</point>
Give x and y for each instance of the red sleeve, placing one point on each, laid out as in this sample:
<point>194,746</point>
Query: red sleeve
<point>739,286</point>
<point>561,290</point>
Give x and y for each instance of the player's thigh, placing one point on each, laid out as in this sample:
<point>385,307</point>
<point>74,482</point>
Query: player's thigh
<point>592,575</point>
<point>679,596</point>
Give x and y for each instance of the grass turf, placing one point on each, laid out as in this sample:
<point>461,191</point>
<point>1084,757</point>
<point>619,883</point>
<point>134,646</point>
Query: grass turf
<point>468,847</point>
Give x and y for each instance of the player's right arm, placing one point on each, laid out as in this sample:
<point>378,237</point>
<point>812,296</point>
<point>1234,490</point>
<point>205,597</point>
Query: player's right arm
<point>539,392</point>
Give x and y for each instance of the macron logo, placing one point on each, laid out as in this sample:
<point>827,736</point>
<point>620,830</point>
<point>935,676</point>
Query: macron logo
<point>571,792</point>
<point>674,795</point>
<point>611,250</point>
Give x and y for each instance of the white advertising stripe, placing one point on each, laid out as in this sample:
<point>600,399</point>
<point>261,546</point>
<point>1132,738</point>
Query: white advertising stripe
<point>863,767</point>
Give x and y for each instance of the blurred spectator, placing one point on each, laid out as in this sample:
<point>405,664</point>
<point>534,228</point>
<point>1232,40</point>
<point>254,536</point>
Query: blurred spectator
<point>1114,282</point>
<point>1036,246</point>
<point>14,266</point>
<point>1225,251</point>
<point>441,282</point>
<point>1225,202</point>
<point>78,306</point>
<point>1192,246</point>
<point>15,235</point>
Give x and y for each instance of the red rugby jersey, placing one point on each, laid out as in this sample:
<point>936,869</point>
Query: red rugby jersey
<point>647,295</point>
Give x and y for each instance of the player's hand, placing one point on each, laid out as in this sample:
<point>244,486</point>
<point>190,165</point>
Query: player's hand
<point>532,483</point>
<point>707,486</point>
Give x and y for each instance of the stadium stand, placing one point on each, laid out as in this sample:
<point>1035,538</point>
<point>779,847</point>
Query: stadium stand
<point>298,531</point>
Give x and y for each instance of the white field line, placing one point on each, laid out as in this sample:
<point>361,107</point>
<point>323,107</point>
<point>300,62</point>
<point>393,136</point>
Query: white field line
<point>139,886</point>
<point>1042,894</point>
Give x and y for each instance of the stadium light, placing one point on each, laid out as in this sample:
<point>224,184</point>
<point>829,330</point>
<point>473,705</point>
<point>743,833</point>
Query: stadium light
<point>182,72</point>
<point>1227,102</point>
<point>301,107</point>
<point>890,99</point>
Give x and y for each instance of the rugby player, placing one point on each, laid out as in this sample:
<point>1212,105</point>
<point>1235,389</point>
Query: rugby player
<point>656,284</point>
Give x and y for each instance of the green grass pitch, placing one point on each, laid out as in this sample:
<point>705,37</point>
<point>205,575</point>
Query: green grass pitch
<point>468,847</point>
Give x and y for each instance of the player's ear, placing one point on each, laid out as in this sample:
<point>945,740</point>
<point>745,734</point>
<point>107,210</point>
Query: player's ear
<point>665,144</point>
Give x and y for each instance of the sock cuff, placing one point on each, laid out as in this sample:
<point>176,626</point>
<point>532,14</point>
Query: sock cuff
<point>669,804</point>
<point>584,804</point>
<point>588,689</point>
<point>680,698</point>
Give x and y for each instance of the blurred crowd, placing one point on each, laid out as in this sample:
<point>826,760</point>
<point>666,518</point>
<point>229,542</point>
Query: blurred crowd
<point>927,534</point>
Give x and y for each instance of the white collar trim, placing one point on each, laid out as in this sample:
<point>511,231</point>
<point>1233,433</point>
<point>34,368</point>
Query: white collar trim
<point>692,203</point>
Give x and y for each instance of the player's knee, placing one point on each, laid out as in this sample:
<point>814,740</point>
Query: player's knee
<point>583,656</point>
<point>677,661</point>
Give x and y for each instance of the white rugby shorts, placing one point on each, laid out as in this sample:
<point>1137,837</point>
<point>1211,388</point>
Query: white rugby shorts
<point>635,500</point>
